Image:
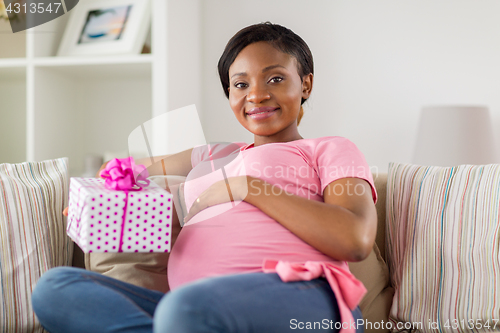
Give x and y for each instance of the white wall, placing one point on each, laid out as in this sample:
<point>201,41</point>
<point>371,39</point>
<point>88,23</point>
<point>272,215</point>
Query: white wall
<point>184,53</point>
<point>376,64</point>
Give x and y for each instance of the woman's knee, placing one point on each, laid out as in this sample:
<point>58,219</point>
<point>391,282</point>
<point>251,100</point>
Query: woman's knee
<point>48,286</point>
<point>185,299</point>
<point>190,308</point>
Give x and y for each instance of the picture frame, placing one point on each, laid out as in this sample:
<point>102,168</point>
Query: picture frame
<point>106,27</point>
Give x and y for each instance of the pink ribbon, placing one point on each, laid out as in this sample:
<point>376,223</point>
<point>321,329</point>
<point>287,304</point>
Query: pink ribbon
<point>120,245</point>
<point>347,289</point>
<point>123,174</point>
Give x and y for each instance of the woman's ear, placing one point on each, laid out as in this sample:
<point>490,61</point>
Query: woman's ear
<point>307,84</point>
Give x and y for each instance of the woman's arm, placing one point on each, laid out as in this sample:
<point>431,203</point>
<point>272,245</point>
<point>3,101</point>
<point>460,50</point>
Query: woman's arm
<point>176,164</point>
<point>173,165</point>
<point>343,227</point>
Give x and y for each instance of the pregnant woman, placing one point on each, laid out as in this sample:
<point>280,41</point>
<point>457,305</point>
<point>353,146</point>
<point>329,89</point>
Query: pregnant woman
<point>267,238</point>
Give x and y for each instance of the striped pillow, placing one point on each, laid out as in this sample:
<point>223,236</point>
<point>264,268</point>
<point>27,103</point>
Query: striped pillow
<point>443,244</point>
<point>32,235</point>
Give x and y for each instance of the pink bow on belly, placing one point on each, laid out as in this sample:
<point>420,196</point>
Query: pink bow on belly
<point>347,289</point>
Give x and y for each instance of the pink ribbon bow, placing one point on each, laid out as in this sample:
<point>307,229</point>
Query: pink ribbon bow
<point>124,175</point>
<point>347,289</point>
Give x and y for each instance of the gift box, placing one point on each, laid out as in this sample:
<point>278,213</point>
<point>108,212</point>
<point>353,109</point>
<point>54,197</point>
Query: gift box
<point>106,220</point>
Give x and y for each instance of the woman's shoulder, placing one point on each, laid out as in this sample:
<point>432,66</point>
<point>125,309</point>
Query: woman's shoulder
<point>330,147</point>
<point>316,148</point>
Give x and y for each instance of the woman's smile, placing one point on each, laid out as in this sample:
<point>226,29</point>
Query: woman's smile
<point>260,113</point>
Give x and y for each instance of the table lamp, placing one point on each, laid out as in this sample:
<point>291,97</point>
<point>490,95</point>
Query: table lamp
<point>454,135</point>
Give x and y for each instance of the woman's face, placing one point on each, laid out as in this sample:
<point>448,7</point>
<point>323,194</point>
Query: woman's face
<point>265,91</point>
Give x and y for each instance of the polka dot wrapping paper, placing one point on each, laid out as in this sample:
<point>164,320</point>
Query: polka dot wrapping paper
<point>103,220</point>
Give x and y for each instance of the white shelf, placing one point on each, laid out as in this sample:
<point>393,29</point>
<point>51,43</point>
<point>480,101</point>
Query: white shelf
<point>54,107</point>
<point>104,60</point>
<point>74,117</point>
<point>13,62</point>
<point>123,68</point>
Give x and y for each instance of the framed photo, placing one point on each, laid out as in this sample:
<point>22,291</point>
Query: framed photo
<point>106,27</point>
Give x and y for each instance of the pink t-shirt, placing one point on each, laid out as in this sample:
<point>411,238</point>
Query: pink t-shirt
<point>236,237</point>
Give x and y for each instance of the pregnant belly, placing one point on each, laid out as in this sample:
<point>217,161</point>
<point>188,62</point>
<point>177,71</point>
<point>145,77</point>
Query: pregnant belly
<point>236,241</point>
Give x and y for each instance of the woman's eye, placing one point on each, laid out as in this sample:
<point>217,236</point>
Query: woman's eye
<point>276,79</point>
<point>240,85</point>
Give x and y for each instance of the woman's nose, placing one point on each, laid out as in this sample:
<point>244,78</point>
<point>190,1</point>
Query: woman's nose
<point>258,94</point>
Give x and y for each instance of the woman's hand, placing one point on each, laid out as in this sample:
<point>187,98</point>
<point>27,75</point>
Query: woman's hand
<point>230,189</point>
<point>98,174</point>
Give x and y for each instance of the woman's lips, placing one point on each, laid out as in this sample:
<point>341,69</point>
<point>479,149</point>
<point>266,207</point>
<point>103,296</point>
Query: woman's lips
<point>261,113</point>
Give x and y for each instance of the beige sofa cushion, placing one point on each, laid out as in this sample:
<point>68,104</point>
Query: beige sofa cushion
<point>380,181</point>
<point>374,274</point>
<point>373,271</point>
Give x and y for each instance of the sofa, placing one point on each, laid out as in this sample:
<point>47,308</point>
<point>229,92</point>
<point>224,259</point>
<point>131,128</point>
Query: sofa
<point>146,270</point>
<point>434,266</point>
<point>436,259</point>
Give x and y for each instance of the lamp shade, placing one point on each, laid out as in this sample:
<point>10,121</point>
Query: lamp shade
<point>454,135</point>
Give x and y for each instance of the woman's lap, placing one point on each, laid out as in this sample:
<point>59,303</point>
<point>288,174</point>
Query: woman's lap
<point>70,299</point>
<point>254,302</point>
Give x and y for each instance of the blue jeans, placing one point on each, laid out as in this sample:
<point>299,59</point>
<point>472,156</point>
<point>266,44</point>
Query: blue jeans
<point>68,299</point>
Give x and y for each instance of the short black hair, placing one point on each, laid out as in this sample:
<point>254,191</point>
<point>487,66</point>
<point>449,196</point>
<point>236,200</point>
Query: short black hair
<point>283,39</point>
